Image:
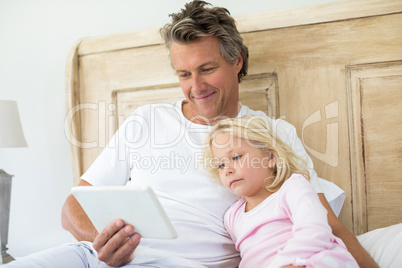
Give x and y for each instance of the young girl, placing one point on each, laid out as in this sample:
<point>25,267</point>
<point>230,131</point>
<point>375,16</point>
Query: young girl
<point>279,221</point>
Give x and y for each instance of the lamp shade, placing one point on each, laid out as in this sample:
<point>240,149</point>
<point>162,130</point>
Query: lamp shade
<point>11,134</point>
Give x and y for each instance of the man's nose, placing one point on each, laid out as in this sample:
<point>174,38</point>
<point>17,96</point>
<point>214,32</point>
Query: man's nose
<point>197,84</point>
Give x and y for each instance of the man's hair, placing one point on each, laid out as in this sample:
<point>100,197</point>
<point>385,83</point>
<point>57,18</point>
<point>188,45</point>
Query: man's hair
<point>197,20</point>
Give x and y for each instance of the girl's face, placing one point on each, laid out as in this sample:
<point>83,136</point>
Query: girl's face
<point>243,169</point>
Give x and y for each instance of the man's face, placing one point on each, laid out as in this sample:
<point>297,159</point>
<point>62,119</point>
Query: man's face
<point>208,81</point>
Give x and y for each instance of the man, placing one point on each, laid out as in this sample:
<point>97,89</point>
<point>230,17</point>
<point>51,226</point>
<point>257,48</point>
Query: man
<point>210,59</point>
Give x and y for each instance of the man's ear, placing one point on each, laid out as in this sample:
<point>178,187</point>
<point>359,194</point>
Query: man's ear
<point>239,61</point>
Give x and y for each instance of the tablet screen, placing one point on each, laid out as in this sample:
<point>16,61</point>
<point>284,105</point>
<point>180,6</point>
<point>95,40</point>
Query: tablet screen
<point>136,205</point>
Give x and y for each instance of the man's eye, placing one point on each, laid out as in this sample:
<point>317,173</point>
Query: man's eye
<point>208,70</point>
<point>237,157</point>
<point>184,75</point>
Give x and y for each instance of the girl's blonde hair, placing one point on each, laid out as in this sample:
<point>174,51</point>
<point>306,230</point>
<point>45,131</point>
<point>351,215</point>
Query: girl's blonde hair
<point>258,133</point>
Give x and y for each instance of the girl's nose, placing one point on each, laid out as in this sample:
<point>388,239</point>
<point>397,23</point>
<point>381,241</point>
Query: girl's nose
<point>229,170</point>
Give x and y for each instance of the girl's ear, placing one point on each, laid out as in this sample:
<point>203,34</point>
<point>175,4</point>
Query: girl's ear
<point>272,163</point>
<point>271,159</point>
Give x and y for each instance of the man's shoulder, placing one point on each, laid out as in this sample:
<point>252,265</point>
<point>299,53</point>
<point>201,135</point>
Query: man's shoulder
<point>152,112</point>
<point>278,123</point>
<point>248,111</point>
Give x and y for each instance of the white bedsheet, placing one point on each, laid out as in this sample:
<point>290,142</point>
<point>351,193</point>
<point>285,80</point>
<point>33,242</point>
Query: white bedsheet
<point>384,245</point>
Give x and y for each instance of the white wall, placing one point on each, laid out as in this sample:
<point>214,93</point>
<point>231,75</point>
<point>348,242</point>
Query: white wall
<point>35,37</point>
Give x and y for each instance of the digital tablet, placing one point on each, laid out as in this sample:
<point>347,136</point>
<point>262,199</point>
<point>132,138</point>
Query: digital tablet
<point>136,205</point>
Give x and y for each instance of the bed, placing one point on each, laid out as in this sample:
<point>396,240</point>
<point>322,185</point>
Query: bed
<point>332,70</point>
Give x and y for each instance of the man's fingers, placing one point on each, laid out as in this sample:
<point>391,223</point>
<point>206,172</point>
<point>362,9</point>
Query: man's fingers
<point>116,243</point>
<point>125,253</point>
<point>107,233</point>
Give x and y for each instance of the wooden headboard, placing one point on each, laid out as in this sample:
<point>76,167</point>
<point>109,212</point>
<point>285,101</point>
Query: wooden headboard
<point>334,71</point>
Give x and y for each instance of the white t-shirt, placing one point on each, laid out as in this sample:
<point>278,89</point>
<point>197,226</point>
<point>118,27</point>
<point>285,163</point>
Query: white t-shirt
<point>159,147</point>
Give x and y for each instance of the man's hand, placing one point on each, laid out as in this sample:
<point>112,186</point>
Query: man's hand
<point>116,244</point>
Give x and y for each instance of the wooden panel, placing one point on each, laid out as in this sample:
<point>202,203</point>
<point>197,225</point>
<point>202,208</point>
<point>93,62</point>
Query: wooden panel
<point>72,119</point>
<point>327,12</point>
<point>260,92</point>
<point>375,106</point>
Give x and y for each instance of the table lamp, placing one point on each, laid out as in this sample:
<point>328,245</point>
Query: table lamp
<point>11,135</point>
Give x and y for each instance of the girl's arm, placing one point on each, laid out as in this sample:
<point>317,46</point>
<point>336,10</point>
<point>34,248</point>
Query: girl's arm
<point>311,232</point>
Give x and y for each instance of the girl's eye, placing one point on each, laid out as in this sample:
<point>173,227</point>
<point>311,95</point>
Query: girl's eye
<point>237,157</point>
<point>221,166</point>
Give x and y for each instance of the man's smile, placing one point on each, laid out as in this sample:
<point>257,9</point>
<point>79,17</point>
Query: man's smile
<point>205,97</point>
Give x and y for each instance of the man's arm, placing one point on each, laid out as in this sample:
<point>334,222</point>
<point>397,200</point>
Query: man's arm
<point>75,220</point>
<point>353,245</point>
<point>114,244</point>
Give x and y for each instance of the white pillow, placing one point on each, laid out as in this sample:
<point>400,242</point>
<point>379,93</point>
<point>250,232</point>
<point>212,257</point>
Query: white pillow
<point>384,245</point>
<point>334,195</point>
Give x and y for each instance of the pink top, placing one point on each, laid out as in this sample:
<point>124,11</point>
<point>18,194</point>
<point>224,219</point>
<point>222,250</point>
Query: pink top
<point>287,228</point>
